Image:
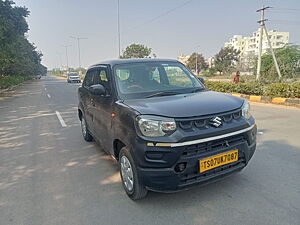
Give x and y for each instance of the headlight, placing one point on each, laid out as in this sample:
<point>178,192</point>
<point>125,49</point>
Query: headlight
<point>246,110</point>
<point>155,126</point>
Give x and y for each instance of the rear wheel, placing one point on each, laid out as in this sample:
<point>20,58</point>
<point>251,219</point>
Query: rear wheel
<point>129,175</point>
<point>85,132</point>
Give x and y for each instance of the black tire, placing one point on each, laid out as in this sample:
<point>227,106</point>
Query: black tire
<point>85,131</point>
<point>138,191</point>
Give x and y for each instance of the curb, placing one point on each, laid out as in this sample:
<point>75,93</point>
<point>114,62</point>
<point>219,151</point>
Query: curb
<point>264,99</point>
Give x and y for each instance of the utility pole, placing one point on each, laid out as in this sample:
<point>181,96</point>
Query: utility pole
<point>78,43</point>
<point>261,31</point>
<point>196,64</point>
<point>272,52</point>
<point>119,32</point>
<point>66,47</point>
<point>196,59</point>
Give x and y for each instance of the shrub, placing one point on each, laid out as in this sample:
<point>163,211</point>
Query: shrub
<point>272,90</point>
<point>8,81</point>
<point>283,90</point>
<point>243,88</point>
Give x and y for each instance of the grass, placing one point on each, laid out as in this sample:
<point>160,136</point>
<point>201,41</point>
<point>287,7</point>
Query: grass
<point>8,81</point>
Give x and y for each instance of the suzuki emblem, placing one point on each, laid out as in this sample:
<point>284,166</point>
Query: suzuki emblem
<point>216,122</point>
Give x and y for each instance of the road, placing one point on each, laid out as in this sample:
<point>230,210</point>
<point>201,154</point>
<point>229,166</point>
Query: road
<point>49,175</point>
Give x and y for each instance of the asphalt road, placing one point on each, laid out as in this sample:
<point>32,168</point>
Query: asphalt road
<point>49,175</point>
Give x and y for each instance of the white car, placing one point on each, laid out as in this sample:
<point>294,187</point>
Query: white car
<point>73,78</point>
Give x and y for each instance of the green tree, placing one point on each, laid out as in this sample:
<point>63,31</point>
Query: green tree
<point>17,55</point>
<point>137,51</point>
<point>288,60</point>
<point>226,59</point>
<point>201,64</point>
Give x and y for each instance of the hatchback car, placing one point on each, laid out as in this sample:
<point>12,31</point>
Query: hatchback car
<point>166,130</point>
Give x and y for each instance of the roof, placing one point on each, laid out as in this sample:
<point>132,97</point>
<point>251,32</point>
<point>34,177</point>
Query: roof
<point>124,61</point>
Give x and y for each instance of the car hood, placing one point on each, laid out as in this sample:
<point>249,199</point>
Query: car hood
<point>186,105</point>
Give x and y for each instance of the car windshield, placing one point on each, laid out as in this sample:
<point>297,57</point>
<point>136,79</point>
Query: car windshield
<point>153,79</point>
<point>73,75</point>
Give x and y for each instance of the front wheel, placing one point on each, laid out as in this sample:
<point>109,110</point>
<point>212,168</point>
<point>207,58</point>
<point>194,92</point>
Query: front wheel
<point>129,175</point>
<point>85,132</point>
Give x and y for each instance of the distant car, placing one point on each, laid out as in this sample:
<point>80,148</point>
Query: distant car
<point>165,129</point>
<point>73,78</point>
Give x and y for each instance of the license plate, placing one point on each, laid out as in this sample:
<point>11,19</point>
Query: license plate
<point>218,160</point>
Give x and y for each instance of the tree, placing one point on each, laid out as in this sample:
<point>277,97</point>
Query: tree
<point>201,64</point>
<point>17,55</point>
<point>137,51</point>
<point>288,60</point>
<point>226,59</point>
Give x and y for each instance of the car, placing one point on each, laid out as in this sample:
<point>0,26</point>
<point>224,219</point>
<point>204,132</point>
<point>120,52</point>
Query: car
<point>73,78</point>
<point>166,130</point>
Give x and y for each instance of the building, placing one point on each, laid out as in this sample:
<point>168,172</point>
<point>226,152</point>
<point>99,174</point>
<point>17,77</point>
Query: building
<point>210,62</point>
<point>248,46</point>
<point>183,58</point>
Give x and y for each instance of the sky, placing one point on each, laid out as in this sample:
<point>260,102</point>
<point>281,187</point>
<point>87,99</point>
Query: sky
<point>169,27</point>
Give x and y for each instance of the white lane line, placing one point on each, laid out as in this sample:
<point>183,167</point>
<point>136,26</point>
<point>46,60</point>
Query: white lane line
<point>61,120</point>
<point>45,89</point>
<point>49,96</point>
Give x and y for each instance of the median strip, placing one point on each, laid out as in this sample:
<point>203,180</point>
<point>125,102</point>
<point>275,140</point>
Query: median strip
<point>61,120</point>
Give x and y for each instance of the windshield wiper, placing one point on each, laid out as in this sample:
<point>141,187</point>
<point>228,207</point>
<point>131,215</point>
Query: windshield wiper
<point>163,93</point>
<point>197,90</point>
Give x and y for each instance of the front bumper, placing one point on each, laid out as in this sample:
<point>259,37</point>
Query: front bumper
<point>157,164</point>
<point>74,80</point>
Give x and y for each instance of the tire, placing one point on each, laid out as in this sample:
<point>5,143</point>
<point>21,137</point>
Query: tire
<point>84,130</point>
<point>135,190</point>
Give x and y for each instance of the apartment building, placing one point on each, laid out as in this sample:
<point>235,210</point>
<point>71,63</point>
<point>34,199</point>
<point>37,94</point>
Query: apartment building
<point>183,58</point>
<point>249,46</point>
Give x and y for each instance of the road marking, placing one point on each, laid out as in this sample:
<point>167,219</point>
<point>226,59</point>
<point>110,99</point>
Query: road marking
<point>62,122</point>
<point>49,96</point>
<point>45,89</point>
<point>260,132</point>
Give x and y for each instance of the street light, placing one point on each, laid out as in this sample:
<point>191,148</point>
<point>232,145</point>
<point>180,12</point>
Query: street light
<point>78,43</point>
<point>67,46</point>
<point>60,60</point>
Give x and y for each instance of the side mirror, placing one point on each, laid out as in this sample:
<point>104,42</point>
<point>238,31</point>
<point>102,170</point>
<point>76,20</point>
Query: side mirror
<point>201,80</point>
<point>97,89</point>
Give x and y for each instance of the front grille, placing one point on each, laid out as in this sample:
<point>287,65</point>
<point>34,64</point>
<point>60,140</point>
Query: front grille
<point>204,122</point>
<point>196,176</point>
<point>212,146</point>
<point>193,153</point>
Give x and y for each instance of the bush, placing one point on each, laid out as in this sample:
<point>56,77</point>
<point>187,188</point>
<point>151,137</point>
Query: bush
<point>243,88</point>
<point>8,81</point>
<point>273,90</point>
<point>283,90</point>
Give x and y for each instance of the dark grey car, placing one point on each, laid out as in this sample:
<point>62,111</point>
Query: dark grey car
<point>166,130</point>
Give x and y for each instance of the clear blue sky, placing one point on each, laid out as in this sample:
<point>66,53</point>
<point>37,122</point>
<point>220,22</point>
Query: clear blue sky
<point>204,23</point>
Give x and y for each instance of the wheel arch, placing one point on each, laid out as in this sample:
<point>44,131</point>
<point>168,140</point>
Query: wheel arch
<point>80,114</point>
<point>117,146</point>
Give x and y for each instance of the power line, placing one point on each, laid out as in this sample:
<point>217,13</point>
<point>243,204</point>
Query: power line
<point>285,9</point>
<point>293,22</point>
<point>159,16</point>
